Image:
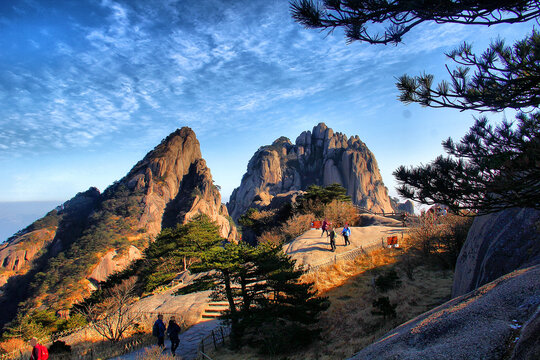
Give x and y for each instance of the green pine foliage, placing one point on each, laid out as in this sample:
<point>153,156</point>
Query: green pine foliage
<point>317,197</point>
<point>388,280</point>
<point>386,22</point>
<point>263,290</point>
<point>175,250</point>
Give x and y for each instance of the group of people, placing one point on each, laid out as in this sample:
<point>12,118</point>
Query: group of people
<point>173,331</point>
<point>331,233</point>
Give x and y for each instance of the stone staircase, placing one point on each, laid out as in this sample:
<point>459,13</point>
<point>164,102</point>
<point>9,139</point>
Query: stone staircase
<point>214,309</point>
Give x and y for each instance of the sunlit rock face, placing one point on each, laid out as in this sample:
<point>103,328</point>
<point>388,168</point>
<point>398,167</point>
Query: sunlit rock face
<point>177,185</point>
<point>496,245</point>
<point>318,157</point>
<point>483,324</point>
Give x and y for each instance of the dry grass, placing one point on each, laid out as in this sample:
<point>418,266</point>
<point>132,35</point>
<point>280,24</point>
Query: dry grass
<point>348,325</point>
<point>156,353</point>
<point>12,345</point>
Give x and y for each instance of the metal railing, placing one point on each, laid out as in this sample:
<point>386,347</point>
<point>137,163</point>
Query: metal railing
<point>349,255</point>
<point>216,339</point>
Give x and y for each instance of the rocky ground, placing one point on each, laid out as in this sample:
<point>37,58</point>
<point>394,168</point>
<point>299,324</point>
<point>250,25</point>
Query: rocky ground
<point>483,324</point>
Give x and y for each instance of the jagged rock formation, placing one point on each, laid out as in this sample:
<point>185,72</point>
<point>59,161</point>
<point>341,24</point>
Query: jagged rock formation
<point>65,254</point>
<point>321,157</point>
<point>16,256</point>
<point>176,185</point>
<point>483,324</point>
<point>496,245</point>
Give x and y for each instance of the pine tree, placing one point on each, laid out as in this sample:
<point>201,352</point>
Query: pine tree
<point>491,168</point>
<point>362,19</point>
<point>175,250</point>
<point>263,290</point>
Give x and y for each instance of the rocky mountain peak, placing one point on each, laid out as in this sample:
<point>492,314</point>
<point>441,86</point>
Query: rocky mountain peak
<point>165,177</point>
<point>320,157</point>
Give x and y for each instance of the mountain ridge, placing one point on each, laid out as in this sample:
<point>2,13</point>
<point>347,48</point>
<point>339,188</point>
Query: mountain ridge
<point>94,234</point>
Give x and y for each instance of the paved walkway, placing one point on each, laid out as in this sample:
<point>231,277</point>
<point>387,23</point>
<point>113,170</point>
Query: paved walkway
<point>312,248</point>
<point>189,341</point>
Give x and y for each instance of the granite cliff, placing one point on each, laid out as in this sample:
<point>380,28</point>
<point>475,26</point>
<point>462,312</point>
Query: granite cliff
<point>319,157</point>
<point>62,257</point>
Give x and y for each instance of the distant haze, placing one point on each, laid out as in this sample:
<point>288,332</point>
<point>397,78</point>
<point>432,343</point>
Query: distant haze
<point>15,216</point>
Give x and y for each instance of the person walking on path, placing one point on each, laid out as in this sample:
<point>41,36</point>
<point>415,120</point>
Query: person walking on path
<point>39,352</point>
<point>346,232</point>
<point>159,331</point>
<point>324,227</point>
<point>332,235</point>
<point>172,332</point>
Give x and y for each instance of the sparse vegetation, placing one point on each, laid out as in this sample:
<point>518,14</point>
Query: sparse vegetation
<point>439,238</point>
<point>284,225</point>
<point>348,325</point>
<point>113,317</point>
<point>383,307</point>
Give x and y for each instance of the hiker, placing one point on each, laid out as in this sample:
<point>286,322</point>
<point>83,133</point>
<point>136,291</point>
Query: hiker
<point>159,331</point>
<point>346,232</point>
<point>172,332</point>
<point>324,227</point>
<point>332,235</point>
<point>39,352</point>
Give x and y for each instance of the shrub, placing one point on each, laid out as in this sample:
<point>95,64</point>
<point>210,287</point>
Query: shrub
<point>58,347</point>
<point>340,213</point>
<point>155,353</point>
<point>271,237</point>
<point>297,225</point>
<point>383,307</point>
<point>387,281</point>
<point>12,344</point>
<point>440,237</point>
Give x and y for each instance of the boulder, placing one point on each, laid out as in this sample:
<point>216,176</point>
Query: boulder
<point>483,324</point>
<point>496,245</point>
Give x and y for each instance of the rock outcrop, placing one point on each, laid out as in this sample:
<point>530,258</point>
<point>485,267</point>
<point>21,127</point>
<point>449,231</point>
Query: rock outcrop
<point>15,256</point>
<point>407,207</point>
<point>483,324</point>
<point>321,157</point>
<point>496,245</point>
<point>113,262</point>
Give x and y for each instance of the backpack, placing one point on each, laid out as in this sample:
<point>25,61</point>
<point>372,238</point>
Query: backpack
<point>43,353</point>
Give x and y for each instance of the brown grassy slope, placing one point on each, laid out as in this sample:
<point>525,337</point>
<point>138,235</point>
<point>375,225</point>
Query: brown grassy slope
<point>348,325</point>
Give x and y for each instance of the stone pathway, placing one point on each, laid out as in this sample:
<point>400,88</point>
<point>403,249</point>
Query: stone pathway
<point>189,341</point>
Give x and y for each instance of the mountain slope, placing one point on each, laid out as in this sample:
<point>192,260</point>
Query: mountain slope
<point>93,235</point>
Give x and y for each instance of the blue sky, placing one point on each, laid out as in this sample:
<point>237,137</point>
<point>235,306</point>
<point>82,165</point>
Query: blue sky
<point>87,88</point>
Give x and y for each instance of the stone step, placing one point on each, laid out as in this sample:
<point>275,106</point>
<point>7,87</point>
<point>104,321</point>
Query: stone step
<point>213,311</point>
<point>218,303</point>
<point>211,316</point>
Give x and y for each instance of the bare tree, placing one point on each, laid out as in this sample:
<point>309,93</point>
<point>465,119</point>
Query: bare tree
<point>112,317</point>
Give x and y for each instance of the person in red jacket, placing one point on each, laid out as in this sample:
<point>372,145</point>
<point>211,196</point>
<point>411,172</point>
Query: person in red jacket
<point>39,352</point>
